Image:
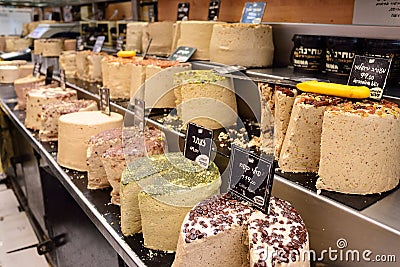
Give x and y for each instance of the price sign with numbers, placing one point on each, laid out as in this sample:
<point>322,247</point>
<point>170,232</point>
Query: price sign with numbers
<point>251,177</point>
<point>198,144</point>
<point>253,12</point>
<point>182,54</point>
<point>371,72</point>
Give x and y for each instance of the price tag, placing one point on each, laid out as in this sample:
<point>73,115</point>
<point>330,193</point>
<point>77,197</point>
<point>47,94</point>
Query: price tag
<point>198,144</point>
<point>251,178</point>
<point>79,43</point>
<point>49,75</point>
<point>182,53</point>
<point>371,72</point>
<point>253,12</point>
<point>98,45</point>
<point>62,79</point>
<point>36,69</point>
<point>138,110</point>
<point>213,9</point>
<point>104,94</point>
<point>183,11</point>
<point>120,43</point>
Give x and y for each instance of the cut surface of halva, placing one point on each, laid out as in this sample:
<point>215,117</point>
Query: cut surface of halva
<point>301,147</point>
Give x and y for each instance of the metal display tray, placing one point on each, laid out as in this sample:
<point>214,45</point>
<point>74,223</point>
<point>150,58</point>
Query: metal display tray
<point>327,219</point>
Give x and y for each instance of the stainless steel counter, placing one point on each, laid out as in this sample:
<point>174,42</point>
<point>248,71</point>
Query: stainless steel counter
<point>374,228</point>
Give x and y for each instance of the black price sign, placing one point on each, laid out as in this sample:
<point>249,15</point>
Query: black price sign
<point>213,9</point>
<point>251,178</point>
<point>79,43</point>
<point>120,43</point>
<point>62,79</point>
<point>138,110</point>
<point>182,53</point>
<point>253,12</point>
<point>371,72</point>
<point>49,75</point>
<point>36,69</point>
<point>198,144</point>
<point>98,45</point>
<point>104,94</point>
<point>183,11</point>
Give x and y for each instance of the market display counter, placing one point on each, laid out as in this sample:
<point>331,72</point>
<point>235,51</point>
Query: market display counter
<point>365,223</point>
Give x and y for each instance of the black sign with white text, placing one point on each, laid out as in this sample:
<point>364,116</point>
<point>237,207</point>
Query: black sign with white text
<point>183,11</point>
<point>104,94</point>
<point>198,144</point>
<point>182,54</point>
<point>98,45</point>
<point>213,10</point>
<point>371,72</point>
<point>253,12</point>
<point>49,75</point>
<point>251,177</point>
